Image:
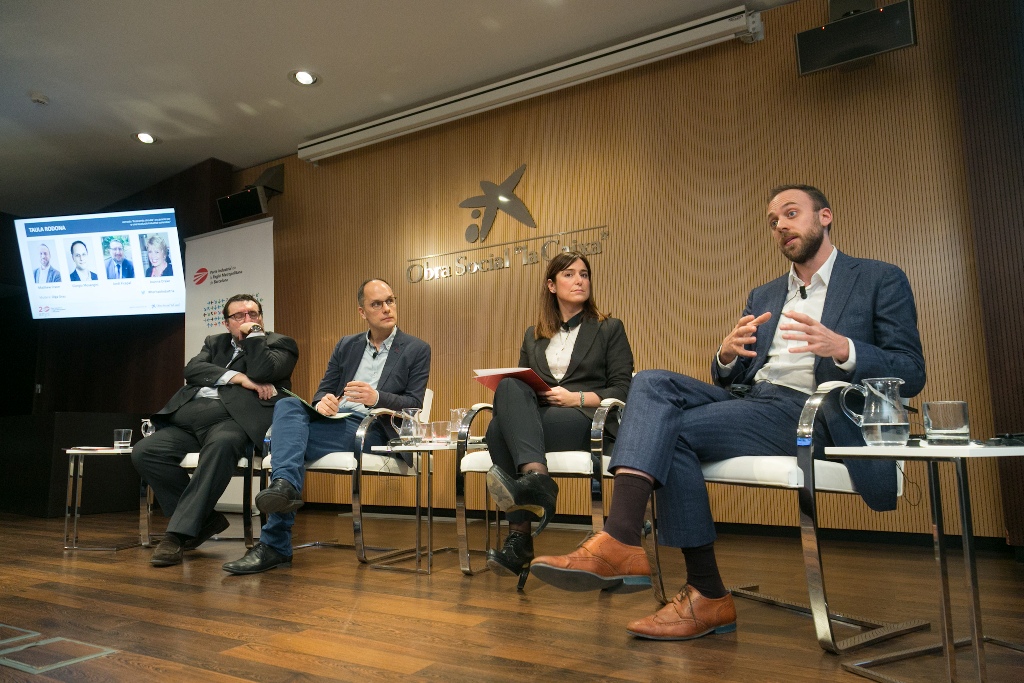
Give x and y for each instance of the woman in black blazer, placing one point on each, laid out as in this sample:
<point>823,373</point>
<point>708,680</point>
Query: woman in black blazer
<point>585,357</point>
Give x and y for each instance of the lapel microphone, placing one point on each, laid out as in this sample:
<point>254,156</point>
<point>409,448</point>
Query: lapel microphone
<point>803,292</point>
<point>377,353</point>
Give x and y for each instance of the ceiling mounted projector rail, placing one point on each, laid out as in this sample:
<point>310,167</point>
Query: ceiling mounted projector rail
<point>717,28</point>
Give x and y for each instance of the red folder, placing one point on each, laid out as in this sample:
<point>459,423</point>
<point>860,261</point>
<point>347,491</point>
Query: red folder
<point>490,378</point>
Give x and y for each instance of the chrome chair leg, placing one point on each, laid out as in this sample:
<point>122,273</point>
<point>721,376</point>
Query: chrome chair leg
<point>145,515</point>
<point>818,608</point>
<point>649,540</point>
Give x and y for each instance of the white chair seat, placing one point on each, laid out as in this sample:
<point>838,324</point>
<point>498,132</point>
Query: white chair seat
<point>559,462</point>
<point>192,461</point>
<point>346,462</point>
<point>781,471</point>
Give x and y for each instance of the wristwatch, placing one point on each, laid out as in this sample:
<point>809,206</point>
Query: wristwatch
<point>255,328</point>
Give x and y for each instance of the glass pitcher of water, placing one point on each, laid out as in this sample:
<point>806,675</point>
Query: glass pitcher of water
<point>885,421</point>
<point>407,423</point>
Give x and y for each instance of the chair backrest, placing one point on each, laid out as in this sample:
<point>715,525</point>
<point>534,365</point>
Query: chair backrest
<point>428,400</point>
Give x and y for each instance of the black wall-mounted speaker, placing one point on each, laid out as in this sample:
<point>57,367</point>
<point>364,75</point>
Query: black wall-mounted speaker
<point>860,35</point>
<point>249,203</point>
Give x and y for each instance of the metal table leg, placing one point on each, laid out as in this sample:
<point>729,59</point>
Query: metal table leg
<point>388,560</point>
<point>73,506</point>
<point>971,568</point>
<point>949,645</point>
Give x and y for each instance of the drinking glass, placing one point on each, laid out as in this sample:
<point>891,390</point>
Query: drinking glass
<point>457,414</point>
<point>439,431</point>
<point>946,423</point>
<point>122,438</point>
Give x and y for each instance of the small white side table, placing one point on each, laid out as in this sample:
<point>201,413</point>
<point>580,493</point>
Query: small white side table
<point>933,455</point>
<point>76,467</point>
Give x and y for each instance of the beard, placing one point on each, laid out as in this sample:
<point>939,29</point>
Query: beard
<point>807,249</point>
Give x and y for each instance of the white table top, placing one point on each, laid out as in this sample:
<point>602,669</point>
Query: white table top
<point>96,450</point>
<point>924,452</point>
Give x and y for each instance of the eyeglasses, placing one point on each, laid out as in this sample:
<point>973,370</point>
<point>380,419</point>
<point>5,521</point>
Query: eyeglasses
<point>376,305</point>
<point>239,317</point>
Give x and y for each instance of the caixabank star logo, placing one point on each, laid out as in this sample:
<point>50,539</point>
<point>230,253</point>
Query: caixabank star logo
<point>524,249</point>
<point>494,199</point>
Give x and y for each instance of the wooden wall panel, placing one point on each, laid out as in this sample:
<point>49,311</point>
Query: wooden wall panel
<point>675,160</point>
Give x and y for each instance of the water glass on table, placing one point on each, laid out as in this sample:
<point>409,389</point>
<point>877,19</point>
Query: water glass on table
<point>122,438</point>
<point>946,423</point>
<point>457,414</point>
<point>439,431</point>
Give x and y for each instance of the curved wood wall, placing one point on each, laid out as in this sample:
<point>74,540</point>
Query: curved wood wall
<point>675,159</point>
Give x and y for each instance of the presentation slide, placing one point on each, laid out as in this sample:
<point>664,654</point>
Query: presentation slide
<point>124,263</point>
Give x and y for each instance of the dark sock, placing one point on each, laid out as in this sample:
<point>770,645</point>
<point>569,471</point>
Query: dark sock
<point>180,537</point>
<point>629,502</point>
<point>702,571</point>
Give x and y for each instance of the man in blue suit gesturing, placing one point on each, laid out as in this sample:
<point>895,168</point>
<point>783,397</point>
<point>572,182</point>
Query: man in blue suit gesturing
<point>832,317</point>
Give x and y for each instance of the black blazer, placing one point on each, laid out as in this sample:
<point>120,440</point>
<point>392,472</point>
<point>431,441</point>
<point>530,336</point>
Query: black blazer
<point>601,361</point>
<point>402,383</point>
<point>265,359</point>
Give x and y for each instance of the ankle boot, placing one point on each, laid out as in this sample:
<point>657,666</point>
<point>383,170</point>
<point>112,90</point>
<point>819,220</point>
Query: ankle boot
<point>533,492</point>
<point>514,557</point>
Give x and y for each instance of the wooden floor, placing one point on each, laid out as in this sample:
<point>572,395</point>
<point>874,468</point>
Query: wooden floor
<point>328,618</point>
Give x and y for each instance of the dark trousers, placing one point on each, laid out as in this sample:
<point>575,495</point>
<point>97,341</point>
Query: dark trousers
<point>522,430</point>
<point>203,425</point>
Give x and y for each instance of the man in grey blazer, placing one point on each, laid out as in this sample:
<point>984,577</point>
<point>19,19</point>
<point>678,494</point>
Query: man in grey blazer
<point>832,317</point>
<point>45,273</point>
<point>224,408</point>
<point>380,368</point>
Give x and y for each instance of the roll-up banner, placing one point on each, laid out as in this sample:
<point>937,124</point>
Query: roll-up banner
<point>236,260</point>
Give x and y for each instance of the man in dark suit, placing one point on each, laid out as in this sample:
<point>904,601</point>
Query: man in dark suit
<point>832,317</point>
<point>80,254</point>
<point>224,409</point>
<point>380,368</point>
<point>117,266</point>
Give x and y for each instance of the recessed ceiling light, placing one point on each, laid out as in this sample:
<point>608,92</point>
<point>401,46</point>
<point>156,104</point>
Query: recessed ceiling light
<point>145,138</point>
<point>304,77</point>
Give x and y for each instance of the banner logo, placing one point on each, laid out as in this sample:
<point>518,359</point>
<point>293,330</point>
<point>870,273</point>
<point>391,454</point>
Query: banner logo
<point>494,199</point>
<point>200,276</point>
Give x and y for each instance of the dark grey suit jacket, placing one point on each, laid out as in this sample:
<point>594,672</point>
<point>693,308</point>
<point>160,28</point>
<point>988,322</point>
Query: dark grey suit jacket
<point>871,303</point>
<point>601,361</point>
<point>265,359</point>
<point>402,382</point>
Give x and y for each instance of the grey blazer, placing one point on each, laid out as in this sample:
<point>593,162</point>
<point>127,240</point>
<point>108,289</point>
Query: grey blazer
<point>402,382</point>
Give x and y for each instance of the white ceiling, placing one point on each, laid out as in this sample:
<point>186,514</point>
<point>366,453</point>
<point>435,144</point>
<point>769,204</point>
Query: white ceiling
<point>210,78</point>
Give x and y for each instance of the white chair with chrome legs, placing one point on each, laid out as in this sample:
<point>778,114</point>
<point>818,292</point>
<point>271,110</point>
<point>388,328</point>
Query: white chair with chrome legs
<point>592,465</point>
<point>374,464</point>
<point>807,477</point>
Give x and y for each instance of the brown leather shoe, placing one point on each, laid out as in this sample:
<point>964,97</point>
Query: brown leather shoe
<point>599,563</point>
<point>689,615</point>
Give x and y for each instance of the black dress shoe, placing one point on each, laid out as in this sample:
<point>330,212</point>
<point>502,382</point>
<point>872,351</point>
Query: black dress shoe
<point>215,524</point>
<point>258,558</point>
<point>514,557</point>
<point>533,492</point>
<point>280,496</point>
<point>168,552</point>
